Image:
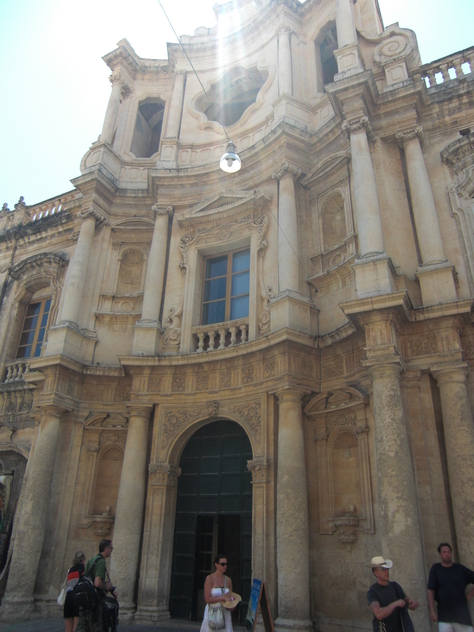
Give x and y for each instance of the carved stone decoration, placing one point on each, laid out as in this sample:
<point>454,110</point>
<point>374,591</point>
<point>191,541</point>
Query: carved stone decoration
<point>178,383</point>
<point>260,469</point>
<point>341,436</point>
<point>287,169</point>
<point>100,217</point>
<point>94,393</point>
<point>423,345</point>
<point>174,422</point>
<point>164,474</point>
<point>172,332</point>
<point>248,375</point>
<point>184,244</point>
<point>251,414</point>
<point>213,408</point>
<point>108,437</point>
<point>410,134</point>
<point>332,368</point>
<point>225,379</point>
<point>202,382</point>
<point>269,369</point>
<point>154,384</point>
<point>122,393</point>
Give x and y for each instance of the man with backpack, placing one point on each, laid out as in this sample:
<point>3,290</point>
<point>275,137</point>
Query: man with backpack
<point>90,620</point>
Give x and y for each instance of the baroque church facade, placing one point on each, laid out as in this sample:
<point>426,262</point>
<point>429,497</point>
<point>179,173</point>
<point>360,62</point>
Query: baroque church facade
<point>273,363</point>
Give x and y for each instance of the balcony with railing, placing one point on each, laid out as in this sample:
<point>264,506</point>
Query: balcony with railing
<point>220,335</point>
<point>456,66</point>
<point>15,370</point>
<point>22,214</point>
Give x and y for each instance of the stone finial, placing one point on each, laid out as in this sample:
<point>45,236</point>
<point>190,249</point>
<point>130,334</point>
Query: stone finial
<point>5,207</point>
<point>409,134</point>
<point>20,204</point>
<point>287,169</point>
<point>284,29</point>
<point>100,218</point>
<point>162,210</point>
<point>348,127</point>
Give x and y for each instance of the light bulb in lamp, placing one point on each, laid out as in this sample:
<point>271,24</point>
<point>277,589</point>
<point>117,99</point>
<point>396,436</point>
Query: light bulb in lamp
<point>230,162</point>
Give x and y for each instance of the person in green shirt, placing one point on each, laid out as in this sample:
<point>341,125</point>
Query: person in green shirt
<point>91,620</point>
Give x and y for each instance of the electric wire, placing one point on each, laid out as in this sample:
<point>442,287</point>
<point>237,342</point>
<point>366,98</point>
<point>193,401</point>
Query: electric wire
<point>254,185</point>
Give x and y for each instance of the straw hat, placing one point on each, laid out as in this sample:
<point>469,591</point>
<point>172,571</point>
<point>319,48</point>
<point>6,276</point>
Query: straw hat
<point>379,560</point>
<point>232,599</point>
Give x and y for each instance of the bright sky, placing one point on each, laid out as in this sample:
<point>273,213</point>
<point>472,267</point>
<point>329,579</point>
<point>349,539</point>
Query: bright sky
<point>55,85</point>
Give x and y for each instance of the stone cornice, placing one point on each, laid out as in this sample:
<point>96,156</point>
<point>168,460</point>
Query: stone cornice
<point>285,169</point>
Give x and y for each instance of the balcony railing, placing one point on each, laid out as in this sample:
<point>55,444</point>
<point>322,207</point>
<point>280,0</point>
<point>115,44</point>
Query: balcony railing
<point>220,335</point>
<point>455,66</point>
<point>16,370</point>
<point>23,214</point>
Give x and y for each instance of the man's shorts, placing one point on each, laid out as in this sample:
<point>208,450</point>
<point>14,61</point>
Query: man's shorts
<point>454,627</point>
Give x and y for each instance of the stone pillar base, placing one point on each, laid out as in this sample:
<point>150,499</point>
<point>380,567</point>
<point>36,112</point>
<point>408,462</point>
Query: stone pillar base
<point>147,338</point>
<point>348,61</point>
<point>374,276</point>
<point>67,339</point>
<point>290,309</point>
<point>437,283</point>
<point>13,610</point>
<point>291,625</point>
<point>127,613</point>
<point>151,614</point>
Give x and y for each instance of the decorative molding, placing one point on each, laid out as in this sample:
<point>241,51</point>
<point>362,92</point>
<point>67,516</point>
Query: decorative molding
<point>164,474</point>
<point>260,469</point>
<point>213,408</point>
<point>251,414</point>
<point>162,210</point>
<point>283,29</point>
<point>100,217</point>
<point>52,262</point>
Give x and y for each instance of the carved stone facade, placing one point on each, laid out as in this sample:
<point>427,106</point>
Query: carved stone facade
<point>340,358</point>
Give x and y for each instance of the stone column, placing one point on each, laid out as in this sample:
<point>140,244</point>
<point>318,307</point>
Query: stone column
<point>176,105</point>
<point>459,439</point>
<point>424,209</point>
<point>130,509</point>
<point>369,224</point>
<point>155,270</point>
<point>288,269</point>
<point>400,528</point>
<point>284,60</point>
<point>346,32</point>
<point>292,516</point>
<point>77,273</point>
<point>108,129</point>
<point>29,530</point>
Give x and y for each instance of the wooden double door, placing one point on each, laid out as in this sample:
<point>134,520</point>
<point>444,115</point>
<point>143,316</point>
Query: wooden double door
<point>213,516</point>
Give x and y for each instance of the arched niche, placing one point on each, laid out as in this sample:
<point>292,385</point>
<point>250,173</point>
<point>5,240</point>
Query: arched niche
<point>340,431</point>
<point>333,222</point>
<point>131,272</point>
<point>326,64</point>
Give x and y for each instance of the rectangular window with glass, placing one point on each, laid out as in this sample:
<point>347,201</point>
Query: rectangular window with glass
<point>226,288</point>
<point>34,329</point>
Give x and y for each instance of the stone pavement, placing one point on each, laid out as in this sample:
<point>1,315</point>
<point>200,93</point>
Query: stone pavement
<point>57,625</point>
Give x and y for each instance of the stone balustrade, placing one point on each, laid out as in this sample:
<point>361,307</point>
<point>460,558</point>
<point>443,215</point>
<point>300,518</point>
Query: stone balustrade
<point>22,214</point>
<point>221,335</point>
<point>16,370</point>
<point>455,66</point>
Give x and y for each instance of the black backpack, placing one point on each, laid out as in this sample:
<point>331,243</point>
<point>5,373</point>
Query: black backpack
<point>84,592</point>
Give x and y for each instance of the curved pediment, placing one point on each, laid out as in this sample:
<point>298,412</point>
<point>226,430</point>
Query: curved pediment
<point>335,400</point>
<point>326,166</point>
<point>47,262</point>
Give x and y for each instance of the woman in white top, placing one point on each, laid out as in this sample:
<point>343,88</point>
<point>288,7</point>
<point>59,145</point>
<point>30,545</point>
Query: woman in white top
<point>216,586</point>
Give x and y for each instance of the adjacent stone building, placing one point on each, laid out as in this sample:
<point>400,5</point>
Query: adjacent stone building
<point>274,363</point>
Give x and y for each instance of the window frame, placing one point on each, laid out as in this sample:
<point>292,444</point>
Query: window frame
<point>34,344</point>
<point>229,276</point>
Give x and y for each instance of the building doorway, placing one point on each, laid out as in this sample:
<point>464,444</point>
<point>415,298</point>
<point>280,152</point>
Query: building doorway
<point>213,516</point>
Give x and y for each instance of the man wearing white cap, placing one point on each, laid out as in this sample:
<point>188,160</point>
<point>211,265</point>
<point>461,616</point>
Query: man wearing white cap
<point>388,601</point>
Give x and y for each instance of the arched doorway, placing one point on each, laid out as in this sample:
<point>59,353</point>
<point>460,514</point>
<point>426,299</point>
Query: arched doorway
<point>213,515</point>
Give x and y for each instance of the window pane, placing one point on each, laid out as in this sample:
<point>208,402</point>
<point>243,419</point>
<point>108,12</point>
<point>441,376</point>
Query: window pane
<point>239,307</point>
<point>240,283</point>
<point>47,305</point>
<point>38,350</point>
<point>24,352</point>
<point>27,338</point>
<point>30,323</point>
<point>215,289</point>
<point>213,313</point>
<point>33,308</point>
<point>241,261</point>
<point>216,267</point>
<point>41,335</point>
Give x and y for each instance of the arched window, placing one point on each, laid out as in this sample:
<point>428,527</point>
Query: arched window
<point>147,134</point>
<point>326,64</point>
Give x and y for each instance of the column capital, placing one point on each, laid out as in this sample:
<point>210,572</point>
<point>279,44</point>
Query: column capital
<point>162,210</point>
<point>258,468</point>
<point>354,125</point>
<point>387,370</point>
<point>117,79</point>
<point>180,74</point>
<point>164,473</point>
<point>287,169</point>
<point>455,374</point>
<point>139,410</point>
<point>283,29</point>
<point>290,395</point>
<point>101,218</point>
<point>409,134</point>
